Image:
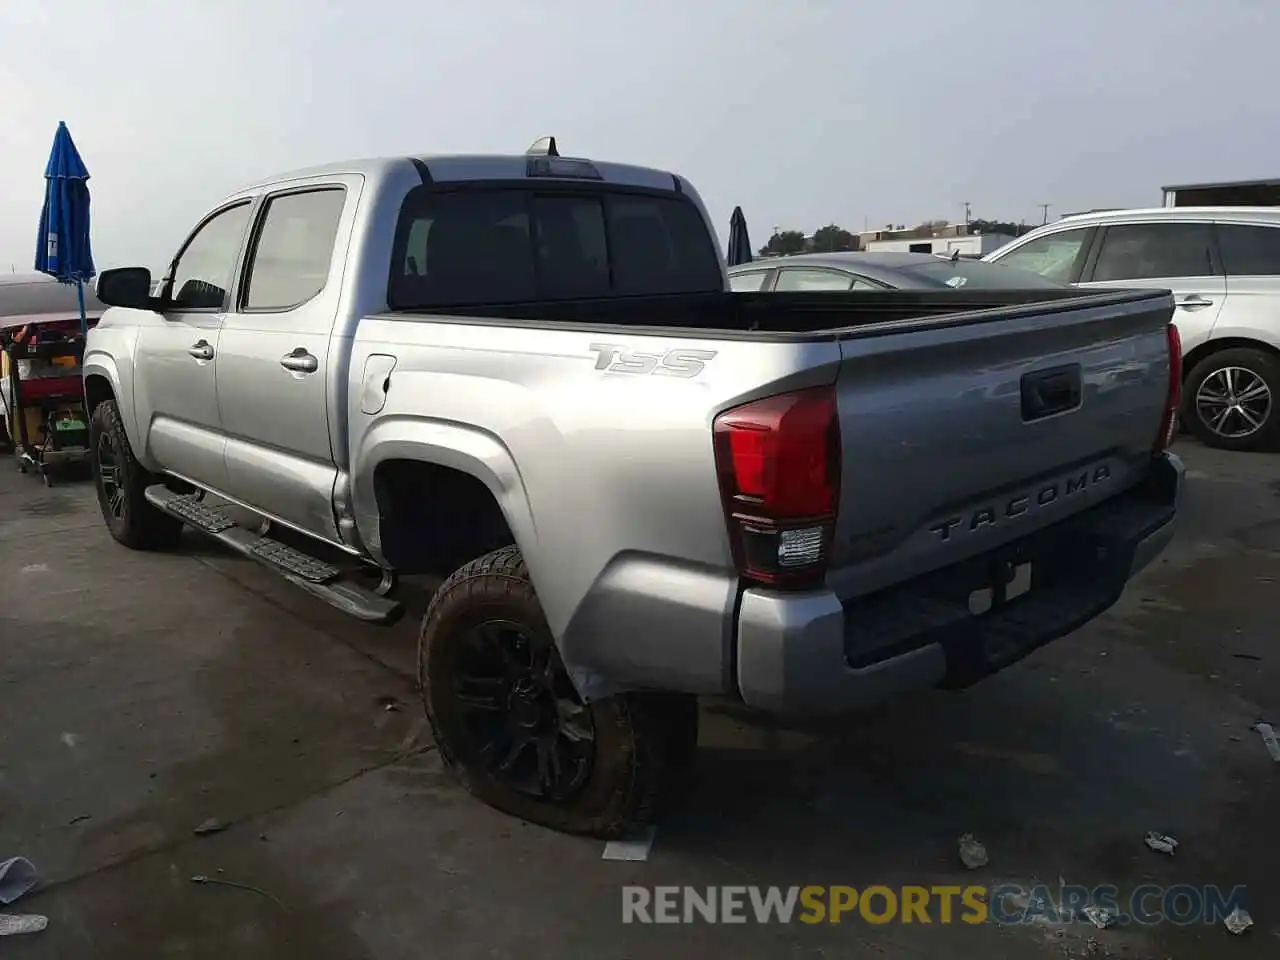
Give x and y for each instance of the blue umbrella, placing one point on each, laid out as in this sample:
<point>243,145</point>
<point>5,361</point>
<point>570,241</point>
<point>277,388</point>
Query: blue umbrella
<point>62,247</point>
<point>739,242</point>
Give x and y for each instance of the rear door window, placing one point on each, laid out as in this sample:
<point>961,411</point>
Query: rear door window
<point>1153,251</point>
<point>476,246</point>
<point>290,259</point>
<point>796,279</point>
<point>749,282</point>
<point>1249,251</point>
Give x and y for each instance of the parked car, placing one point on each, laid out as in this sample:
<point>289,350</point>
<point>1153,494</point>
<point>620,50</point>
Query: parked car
<point>878,271</point>
<point>1223,266</point>
<point>527,374</point>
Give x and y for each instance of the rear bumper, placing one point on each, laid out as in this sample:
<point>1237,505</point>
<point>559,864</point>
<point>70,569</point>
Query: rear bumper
<point>810,653</point>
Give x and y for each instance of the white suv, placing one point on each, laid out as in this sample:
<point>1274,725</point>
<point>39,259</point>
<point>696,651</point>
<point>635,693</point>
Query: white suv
<point>1223,266</point>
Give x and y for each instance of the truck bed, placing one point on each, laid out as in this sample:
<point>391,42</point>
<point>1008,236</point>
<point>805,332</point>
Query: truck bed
<point>793,316</point>
<point>967,419</point>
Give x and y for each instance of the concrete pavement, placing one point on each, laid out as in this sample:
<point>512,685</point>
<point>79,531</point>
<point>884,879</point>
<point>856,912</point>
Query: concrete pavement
<point>141,695</point>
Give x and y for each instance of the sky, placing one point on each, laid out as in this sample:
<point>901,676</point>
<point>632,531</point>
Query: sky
<point>804,112</point>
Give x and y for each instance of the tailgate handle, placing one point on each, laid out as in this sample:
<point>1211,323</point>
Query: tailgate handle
<point>1046,392</point>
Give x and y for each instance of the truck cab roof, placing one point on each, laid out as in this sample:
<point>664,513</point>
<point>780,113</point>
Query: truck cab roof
<point>455,168</point>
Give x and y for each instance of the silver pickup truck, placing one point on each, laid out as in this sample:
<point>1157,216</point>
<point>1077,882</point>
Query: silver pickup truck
<point>526,374</point>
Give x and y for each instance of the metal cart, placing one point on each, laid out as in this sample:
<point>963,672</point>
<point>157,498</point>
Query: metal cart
<point>43,395</point>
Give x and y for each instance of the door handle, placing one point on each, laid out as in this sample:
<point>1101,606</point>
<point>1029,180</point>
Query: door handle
<point>299,361</point>
<point>201,350</point>
<point>1194,302</point>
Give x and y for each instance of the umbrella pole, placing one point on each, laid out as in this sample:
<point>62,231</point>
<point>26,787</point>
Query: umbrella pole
<point>84,322</point>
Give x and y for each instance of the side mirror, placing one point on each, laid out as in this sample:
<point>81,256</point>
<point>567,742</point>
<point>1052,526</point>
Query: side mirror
<point>126,287</point>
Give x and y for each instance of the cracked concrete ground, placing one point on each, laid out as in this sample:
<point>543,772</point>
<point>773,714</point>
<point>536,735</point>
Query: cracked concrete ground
<point>141,695</point>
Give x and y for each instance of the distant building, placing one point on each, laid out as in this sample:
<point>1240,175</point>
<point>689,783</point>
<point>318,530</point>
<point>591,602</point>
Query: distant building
<point>948,239</point>
<point>1240,193</point>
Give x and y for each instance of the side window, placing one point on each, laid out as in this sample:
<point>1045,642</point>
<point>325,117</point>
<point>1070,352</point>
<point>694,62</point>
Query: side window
<point>750,282</point>
<point>291,255</point>
<point>796,279</point>
<point>203,271</point>
<point>1053,257</point>
<point>1150,251</point>
<point>1249,251</point>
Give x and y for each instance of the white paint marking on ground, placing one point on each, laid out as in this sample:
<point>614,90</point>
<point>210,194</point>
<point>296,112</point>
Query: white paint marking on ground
<point>1269,739</point>
<point>36,568</point>
<point>635,848</point>
<point>70,739</point>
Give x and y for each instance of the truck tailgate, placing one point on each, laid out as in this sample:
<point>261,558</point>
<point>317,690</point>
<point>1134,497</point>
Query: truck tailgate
<point>960,437</point>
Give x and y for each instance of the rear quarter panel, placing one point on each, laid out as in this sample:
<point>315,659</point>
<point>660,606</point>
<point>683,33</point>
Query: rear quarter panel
<point>1251,310</point>
<point>605,470</point>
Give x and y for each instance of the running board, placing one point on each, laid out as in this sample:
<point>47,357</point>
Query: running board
<point>318,578</point>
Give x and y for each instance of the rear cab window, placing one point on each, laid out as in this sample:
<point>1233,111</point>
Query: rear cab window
<point>483,244</point>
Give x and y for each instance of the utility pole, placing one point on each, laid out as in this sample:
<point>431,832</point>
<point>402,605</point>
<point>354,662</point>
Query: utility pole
<point>967,205</point>
<point>1044,210</point>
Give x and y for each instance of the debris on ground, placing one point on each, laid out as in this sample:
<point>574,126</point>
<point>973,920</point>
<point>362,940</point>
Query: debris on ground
<point>215,881</point>
<point>17,876</point>
<point>211,826</point>
<point>972,854</point>
<point>388,703</point>
<point>1100,917</point>
<point>1161,843</point>
<point>635,848</point>
<point>1268,734</point>
<point>1238,920</point>
<point>12,924</point>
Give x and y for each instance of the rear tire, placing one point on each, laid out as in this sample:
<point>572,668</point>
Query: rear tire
<point>1249,377</point>
<point>492,680</point>
<point>121,482</point>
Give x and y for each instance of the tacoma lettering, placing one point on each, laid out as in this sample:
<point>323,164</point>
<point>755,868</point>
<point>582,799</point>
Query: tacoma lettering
<point>992,514</point>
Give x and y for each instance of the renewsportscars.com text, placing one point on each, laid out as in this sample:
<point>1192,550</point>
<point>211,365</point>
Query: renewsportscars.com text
<point>938,904</point>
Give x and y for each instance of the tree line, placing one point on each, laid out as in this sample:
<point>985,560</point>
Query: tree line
<point>833,238</point>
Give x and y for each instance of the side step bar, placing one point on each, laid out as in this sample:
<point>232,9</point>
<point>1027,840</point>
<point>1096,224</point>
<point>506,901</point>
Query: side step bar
<point>318,578</point>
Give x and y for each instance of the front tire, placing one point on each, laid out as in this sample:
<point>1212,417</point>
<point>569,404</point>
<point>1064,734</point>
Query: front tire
<point>508,721</point>
<point>121,482</point>
<point>1231,400</point>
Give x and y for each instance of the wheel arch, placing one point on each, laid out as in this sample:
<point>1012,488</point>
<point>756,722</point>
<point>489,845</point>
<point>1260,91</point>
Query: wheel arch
<point>1203,351</point>
<point>453,488</point>
<point>102,382</point>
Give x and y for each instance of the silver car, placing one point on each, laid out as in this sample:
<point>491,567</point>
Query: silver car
<point>877,271</point>
<point>1223,266</point>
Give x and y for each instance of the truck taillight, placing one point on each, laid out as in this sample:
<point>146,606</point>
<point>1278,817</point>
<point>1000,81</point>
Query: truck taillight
<point>779,465</point>
<point>1173,398</point>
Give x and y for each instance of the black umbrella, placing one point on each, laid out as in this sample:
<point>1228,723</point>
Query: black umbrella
<point>739,242</point>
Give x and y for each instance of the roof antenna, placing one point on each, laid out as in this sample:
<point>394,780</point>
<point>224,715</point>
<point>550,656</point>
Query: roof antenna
<point>543,147</point>
<point>955,254</point>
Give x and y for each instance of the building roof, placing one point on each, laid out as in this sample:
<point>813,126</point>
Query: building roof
<point>1275,182</point>
<point>1173,213</point>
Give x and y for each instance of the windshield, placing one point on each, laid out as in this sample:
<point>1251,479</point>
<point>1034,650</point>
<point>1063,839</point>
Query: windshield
<point>975,275</point>
<point>510,245</point>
